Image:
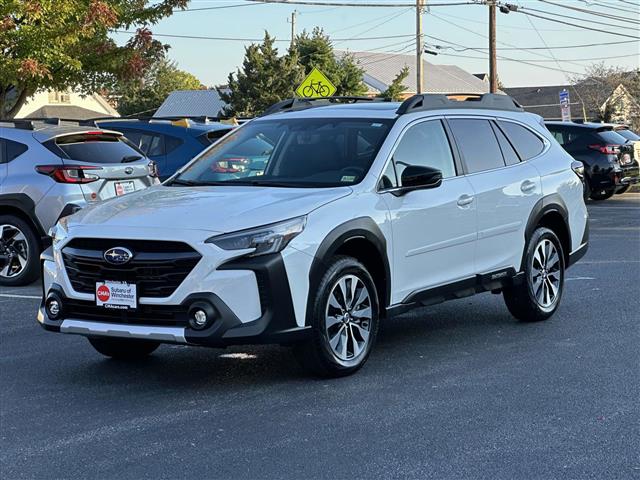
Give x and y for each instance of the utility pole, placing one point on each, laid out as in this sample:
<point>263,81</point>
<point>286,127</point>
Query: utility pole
<point>493,67</point>
<point>294,14</point>
<point>419,48</point>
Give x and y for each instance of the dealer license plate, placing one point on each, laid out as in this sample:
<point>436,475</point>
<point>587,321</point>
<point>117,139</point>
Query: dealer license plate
<point>123,188</point>
<point>116,295</point>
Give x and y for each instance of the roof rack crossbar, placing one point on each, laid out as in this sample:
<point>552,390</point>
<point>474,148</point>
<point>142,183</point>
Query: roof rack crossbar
<point>295,104</point>
<point>21,123</point>
<point>491,101</point>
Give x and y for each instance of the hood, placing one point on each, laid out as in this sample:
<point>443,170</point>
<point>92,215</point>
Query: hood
<point>212,209</point>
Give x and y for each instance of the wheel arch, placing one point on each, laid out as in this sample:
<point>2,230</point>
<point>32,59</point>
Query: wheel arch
<point>550,212</point>
<point>362,239</point>
<point>20,205</point>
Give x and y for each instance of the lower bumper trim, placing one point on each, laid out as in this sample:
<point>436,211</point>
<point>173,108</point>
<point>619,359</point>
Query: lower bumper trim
<point>160,334</point>
<point>578,253</point>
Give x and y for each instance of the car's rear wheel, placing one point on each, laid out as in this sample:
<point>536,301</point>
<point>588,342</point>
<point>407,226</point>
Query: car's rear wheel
<point>344,320</point>
<point>19,252</point>
<point>123,348</point>
<point>538,296</point>
<point>601,193</point>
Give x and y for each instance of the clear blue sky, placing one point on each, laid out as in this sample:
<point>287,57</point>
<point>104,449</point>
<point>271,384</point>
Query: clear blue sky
<point>212,60</point>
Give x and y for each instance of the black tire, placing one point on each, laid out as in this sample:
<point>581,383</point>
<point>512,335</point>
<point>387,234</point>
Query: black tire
<point>123,348</point>
<point>523,300</point>
<point>622,190</point>
<point>317,354</point>
<point>601,193</point>
<point>9,249</point>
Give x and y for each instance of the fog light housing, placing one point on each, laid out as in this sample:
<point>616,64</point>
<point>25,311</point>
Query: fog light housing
<point>201,315</point>
<point>53,306</point>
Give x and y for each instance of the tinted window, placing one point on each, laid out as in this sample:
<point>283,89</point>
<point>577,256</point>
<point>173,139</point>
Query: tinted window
<point>308,152</point>
<point>171,143</point>
<point>151,144</point>
<point>509,154</point>
<point>566,134</point>
<point>526,143</point>
<point>95,148</point>
<point>610,137</point>
<point>14,149</point>
<point>477,143</point>
<point>425,144</point>
<point>2,160</point>
<point>628,134</point>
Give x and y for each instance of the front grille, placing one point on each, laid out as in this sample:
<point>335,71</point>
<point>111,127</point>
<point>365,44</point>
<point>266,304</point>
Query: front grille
<point>157,267</point>
<point>162,315</point>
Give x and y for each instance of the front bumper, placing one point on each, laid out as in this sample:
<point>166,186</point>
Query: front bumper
<point>169,323</point>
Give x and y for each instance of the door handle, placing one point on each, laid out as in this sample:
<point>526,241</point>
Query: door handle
<point>527,186</point>
<point>464,200</point>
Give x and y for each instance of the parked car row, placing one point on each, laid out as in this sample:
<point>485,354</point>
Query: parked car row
<point>609,153</point>
<point>328,219</point>
<point>50,168</point>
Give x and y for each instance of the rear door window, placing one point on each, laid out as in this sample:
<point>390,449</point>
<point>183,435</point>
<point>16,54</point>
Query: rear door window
<point>95,148</point>
<point>609,137</point>
<point>477,143</point>
<point>526,143</point>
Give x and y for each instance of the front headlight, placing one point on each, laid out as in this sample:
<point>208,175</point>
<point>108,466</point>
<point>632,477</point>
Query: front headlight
<point>59,231</point>
<point>271,238</point>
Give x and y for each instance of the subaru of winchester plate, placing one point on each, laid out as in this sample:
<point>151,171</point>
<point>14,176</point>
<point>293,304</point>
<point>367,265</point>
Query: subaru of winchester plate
<point>116,295</point>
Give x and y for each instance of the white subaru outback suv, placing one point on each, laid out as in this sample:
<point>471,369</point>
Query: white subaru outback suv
<point>310,225</point>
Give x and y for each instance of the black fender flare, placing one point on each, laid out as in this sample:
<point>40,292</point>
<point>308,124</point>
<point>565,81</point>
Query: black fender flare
<point>548,204</point>
<point>23,203</point>
<point>357,228</point>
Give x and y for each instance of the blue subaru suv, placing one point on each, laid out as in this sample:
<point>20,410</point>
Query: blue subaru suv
<point>170,142</point>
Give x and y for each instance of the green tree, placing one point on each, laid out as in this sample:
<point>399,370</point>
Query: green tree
<point>315,50</point>
<point>264,79</point>
<point>58,44</point>
<point>396,89</point>
<point>147,94</point>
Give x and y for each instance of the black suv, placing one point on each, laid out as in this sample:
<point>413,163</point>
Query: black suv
<point>607,156</point>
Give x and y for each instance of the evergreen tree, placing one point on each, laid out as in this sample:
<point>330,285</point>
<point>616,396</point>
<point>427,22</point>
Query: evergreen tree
<point>396,89</point>
<point>264,79</point>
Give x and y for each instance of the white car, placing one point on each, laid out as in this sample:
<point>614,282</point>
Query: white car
<point>362,211</point>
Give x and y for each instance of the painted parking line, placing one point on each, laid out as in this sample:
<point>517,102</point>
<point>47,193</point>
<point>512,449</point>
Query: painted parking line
<point>12,295</point>
<point>579,278</point>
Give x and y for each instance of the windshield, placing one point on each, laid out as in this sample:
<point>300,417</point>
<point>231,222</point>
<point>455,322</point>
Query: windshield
<point>308,152</point>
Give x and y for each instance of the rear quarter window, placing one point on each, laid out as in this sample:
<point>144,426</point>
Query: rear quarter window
<point>526,143</point>
<point>609,137</point>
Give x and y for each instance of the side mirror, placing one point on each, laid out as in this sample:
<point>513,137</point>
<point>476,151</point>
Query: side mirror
<point>416,177</point>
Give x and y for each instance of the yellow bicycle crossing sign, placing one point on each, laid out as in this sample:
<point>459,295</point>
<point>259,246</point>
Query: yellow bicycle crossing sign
<point>316,85</point>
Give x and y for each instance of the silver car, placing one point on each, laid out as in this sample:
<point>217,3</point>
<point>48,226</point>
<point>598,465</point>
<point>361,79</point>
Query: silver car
<point>50,169</point>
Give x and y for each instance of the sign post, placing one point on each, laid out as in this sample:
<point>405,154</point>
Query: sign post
<point>565,106</point>
<point>316,85</point>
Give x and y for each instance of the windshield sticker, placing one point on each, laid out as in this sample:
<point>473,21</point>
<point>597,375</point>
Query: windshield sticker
<point>348,178</point>
<point>376,125</point>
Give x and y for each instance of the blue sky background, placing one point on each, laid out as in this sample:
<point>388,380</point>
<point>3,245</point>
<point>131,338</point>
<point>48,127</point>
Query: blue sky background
<point>211,61</point>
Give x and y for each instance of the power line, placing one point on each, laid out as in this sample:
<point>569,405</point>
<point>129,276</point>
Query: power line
<point>386,20</point>
<point>522,10</point>
<point>590,12</point>
<point>560,47</point>
<point>608,5</point>
<point>350,4</point>
<point>578,19</point>
<point>546,60</point>
<point>215,8</point>
<point>243,39</point>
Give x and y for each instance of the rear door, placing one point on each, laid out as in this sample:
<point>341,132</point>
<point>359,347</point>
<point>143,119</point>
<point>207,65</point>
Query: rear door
<point>506,188</point>
<point>3,163</point>
<point>119,168</point>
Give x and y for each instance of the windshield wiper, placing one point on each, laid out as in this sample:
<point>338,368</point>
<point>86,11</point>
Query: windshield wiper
<point>130,158</point>
<point>186,183</point>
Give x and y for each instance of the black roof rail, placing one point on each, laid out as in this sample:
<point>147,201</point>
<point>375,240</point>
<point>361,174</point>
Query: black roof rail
<point>430,101</point>
<point>21,123</point>
<point>57,121</point>
<point>294,104</point>
<point>195,118</point>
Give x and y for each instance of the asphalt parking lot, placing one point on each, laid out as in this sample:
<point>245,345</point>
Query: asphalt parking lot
<point>459,390</point>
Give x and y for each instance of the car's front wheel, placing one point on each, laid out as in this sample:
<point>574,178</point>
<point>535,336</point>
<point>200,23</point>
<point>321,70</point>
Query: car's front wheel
<point>344,320</point>
<point>123,348</point>
<point>19,252</point>
<point>538,296</point>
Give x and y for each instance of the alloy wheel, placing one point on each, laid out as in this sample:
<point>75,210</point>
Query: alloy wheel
<point>348,318</point>
<point>14,251</point>
<point>545,275</point>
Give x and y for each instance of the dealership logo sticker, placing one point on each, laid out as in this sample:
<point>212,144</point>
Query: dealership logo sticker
<point>103,293</point>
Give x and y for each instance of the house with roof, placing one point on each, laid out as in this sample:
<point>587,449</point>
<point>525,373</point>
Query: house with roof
<point>66,104</point>
<point>192,103</point>
<point>380,69</point>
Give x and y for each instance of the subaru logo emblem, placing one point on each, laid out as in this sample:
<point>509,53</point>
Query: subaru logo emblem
<point>128,170</point>
<point>118,255</point>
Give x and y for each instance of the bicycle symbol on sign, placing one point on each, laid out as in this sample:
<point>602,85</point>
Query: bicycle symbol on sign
<point>317,88</point>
